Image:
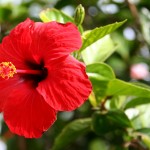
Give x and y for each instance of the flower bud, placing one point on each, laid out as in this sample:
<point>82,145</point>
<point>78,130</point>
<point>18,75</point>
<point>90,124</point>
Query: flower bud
<point>79,15</point>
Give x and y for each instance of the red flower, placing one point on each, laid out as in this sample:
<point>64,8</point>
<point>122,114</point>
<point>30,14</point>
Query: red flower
<point>43,77</point>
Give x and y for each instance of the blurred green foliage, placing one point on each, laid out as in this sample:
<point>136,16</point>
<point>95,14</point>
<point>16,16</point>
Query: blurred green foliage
<point>116,117</point>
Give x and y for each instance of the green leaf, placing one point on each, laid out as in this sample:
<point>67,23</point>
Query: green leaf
<point>120,118</point>
<point>145,131</point>
<point>71,132</point>
<point>99,74</point>
<point>52,14</point>
<point>136,102</point>
<point>104,122</point>
<point>97,33</point>
<point>118,87</point>
<point>5,13</point>
<point>99,51</point>
<point>99,89</point>
<point>100,71</point>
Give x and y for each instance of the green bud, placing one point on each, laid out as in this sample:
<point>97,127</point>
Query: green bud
<point>79,15</point>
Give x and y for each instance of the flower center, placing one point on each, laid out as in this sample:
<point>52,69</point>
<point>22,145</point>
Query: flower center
<point>7,70</point>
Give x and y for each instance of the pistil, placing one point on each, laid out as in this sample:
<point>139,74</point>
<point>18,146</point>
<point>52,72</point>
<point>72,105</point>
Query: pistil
<point>34,72</point>
<point>7,70</point>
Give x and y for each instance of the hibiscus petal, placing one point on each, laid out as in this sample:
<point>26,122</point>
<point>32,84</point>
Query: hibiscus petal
<point>26,113</point>
<point>54,40</point>
<point>67,85</point>
<point>54,35</point>
<point>14,47</point>
<point>6,87</point>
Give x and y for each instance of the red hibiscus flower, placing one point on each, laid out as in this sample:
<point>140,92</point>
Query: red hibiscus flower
<point>39,76</point>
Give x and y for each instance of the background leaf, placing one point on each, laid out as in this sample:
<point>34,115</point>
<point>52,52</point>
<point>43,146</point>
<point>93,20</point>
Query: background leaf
<point>145,131</point>
<point>100,71</point>
<point>103,73</point>
<point>71,132</point>
<point>97,33</point>
<point>99,51</point>
<point>136,102</point>
<point>104,122</point>
<point>118,87</point>
<point>52,14</point>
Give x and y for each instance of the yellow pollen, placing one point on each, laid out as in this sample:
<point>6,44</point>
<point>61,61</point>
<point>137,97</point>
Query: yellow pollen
<point>7,70</point>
